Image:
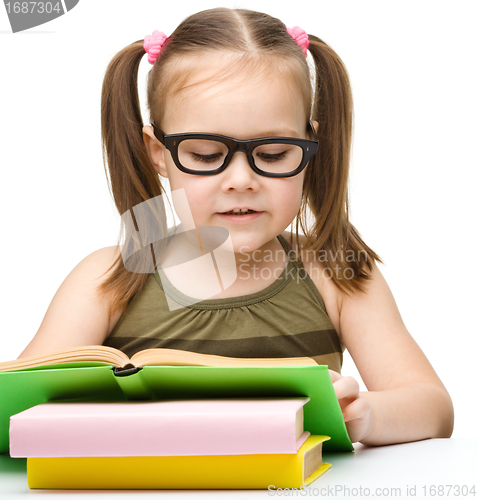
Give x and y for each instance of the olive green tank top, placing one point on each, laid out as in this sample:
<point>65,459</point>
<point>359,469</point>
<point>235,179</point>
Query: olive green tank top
<point>286,319</point>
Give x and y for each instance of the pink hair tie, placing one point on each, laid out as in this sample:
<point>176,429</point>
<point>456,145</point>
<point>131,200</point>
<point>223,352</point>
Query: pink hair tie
<point>152,44</point>
<point>300,36</point>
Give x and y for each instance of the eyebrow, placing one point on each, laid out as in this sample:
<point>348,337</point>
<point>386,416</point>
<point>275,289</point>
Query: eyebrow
<point>282,132</point>
<point>285,132</point>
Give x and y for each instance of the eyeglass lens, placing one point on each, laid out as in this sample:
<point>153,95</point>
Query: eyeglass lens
<point>201,154</point>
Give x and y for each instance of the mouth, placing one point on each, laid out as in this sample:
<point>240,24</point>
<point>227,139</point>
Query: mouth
<point>239,212</point>
<point>243,216</point>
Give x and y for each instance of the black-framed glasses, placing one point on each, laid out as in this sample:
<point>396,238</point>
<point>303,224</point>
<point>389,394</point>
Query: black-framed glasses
<point>210,154</point>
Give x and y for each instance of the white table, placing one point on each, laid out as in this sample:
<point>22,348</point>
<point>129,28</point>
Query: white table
<point>399,471</point>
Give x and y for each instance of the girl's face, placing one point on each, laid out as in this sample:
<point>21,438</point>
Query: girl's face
<point>241,107</point>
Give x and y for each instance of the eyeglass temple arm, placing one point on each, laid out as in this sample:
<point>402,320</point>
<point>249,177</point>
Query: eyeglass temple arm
<point>158,133</point>
<point>313,130</point>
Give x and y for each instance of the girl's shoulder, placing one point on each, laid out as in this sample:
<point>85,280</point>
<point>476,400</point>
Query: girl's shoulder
<point>329,292</point>
<point>78,314</point>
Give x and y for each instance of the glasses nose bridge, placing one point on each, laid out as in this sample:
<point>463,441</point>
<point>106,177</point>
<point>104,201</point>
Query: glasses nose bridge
<point>237,145</point>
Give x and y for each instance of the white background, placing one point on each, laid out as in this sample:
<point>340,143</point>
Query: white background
<point>412,66</point>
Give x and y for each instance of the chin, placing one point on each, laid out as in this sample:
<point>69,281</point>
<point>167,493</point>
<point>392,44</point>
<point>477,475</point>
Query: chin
<point>249,244</point>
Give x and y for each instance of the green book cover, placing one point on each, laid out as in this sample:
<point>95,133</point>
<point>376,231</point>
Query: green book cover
<point>22,389</point>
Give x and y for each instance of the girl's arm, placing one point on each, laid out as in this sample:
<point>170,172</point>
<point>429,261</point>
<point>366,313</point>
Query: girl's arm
<point>76,315</point>
<point>406,401</point>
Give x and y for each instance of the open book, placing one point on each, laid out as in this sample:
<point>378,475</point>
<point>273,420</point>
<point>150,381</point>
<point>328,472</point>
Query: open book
<point>148,357</point>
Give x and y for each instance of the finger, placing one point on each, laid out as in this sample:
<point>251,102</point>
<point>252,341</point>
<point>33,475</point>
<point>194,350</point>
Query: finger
<point>346,388</point>
<point>334,376</point>
<point>357,419</point>
<point>359,408</point>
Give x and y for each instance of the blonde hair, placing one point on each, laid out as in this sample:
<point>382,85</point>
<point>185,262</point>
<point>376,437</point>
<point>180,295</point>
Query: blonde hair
<point>256,39</point>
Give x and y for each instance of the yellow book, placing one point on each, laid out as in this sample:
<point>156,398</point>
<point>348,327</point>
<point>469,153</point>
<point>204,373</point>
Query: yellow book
<point>183,472</point>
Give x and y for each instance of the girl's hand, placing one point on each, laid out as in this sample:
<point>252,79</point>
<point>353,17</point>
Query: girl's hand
<point>355,409</point>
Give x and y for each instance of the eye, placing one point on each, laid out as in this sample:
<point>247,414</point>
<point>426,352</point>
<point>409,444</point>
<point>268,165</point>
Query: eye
<point>277,157</point>
<point>271,157</point>
<point>206,158</point>
<point>194,151</point>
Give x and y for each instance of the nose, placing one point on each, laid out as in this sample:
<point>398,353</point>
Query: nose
<point>239,174</point>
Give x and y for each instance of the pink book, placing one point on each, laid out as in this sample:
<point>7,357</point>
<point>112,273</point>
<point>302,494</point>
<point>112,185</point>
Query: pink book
<point>159,428</point>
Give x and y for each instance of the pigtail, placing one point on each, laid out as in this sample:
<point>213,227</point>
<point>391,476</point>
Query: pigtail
<point>132,179</point>
<point>332,238</point>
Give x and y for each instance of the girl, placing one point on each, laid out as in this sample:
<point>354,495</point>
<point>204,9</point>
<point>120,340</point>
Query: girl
<point>236,125</point>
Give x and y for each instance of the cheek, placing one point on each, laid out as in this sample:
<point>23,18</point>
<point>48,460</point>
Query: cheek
<point>289,195</point>
<point>193,195</point>
<point>179,180</point>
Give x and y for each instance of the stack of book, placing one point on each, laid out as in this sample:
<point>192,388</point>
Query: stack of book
<point>101,373</point>
<point>243,443</point>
